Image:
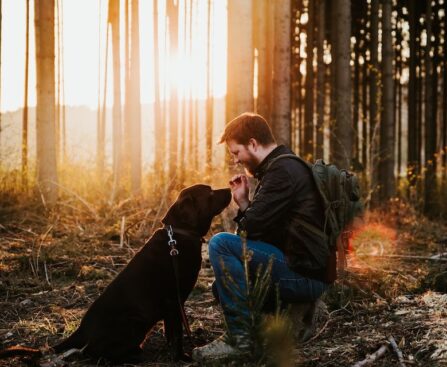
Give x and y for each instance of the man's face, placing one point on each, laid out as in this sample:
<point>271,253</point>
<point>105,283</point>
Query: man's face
<point>244,155</point>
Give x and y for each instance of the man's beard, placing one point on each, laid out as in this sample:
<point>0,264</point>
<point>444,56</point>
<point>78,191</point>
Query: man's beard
<point>250,166</point>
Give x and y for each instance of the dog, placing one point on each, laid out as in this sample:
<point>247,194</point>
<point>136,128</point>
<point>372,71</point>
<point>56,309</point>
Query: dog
<point>147,290</point>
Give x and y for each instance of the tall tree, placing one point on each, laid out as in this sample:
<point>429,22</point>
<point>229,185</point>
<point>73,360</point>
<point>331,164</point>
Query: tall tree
<point>387,128</point>
<point>412,164</point>
<point>25,106</point>
<point>114,20</point>
<point>101,117</point>
<point>45,122</point>
<point>209,94</point>
<point>374,114</point>
<point>263,33</point>
<point>430,120</point>
<point>240,58</point>
<point>341,142</point>
<point>308,143</point>
<point>159,122</point>
<point>281,72</point>
<point>321,69</point>
<point>1,44</point>
<point>172,8</point>
<point>135,98</point>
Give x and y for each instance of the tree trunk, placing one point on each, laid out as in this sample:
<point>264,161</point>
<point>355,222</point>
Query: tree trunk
<point>102,112</point>
<point>1,44</point>
<point>430,123</point>
<point>172,11</point>
<point>25,107</point>
<point>159,121</point>
<point>134,103</point>
<point>114,20</point>
<point>412,106</point>
<point>320,77</point>
<point>263,43</point>
<point>209,97</point>
<point>387,128</point>
<point>281,72</point>
<point>374,113</point>
<point>240,59</point>
<point>45,122</point>
<point>341,144</point>
<point>308,143</point>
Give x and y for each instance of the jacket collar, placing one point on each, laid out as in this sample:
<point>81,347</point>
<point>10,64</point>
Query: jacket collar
<point>262,167</point>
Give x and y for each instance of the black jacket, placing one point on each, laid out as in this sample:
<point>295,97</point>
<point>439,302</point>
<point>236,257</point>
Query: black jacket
<point>285,192</point>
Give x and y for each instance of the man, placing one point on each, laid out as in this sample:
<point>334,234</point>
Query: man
<point>285,192</point>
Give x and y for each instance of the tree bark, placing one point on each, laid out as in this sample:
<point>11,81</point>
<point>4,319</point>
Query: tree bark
<point>374,114</point>
<point>45,81</point>
<point>172,11</point>
<point>135,100</point>
<point>114,20</point>
<point>387,127</point>
<point>25,107</point>
<point>281,72</point>
<point>430,123</point>
<point>341,144</point>
<point>209,96</point>
<point>240,59</point>
<point>320,78</point>
<point>308,143</point>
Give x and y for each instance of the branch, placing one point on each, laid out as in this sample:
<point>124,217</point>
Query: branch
<point>372,357</point>
<point>410,257</point>
<point>396,349</point>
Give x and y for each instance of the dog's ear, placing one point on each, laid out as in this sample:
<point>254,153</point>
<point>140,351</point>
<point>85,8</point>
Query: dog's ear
<point>182,211</point>
<point>187,211</point>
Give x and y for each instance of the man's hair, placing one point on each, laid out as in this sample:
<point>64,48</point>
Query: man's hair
<point>247,126</point>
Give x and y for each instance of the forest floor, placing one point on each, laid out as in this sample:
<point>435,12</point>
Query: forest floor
<point>54,264</point>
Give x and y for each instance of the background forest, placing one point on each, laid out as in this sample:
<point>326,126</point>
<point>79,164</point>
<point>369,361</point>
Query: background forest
<point>110,107</point>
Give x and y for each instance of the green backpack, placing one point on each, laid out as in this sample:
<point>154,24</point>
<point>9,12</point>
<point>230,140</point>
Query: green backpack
<point>340,193</point>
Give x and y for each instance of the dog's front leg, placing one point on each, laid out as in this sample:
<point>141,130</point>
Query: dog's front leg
<point>174,330</point>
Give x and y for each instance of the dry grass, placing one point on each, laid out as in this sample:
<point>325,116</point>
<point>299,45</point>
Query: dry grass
<point>54,263</point>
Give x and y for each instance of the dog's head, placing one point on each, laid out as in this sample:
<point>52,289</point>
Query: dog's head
<point>196,206</point>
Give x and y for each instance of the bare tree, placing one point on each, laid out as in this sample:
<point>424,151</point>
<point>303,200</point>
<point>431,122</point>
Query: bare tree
<point>134,103</point>
<point>281,72</point>
<point>308,143</point>
<point>25,106</point>
<point>240,58</point>
<point>321,31</point>
<point>387,127</point>
<point>209,95</point>
<point>45,122</point>
<point>341,142</point>
<point>114,20</point>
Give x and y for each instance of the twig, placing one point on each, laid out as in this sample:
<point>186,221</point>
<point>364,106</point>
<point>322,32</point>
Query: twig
<point>82,200</point>
<point>123,226</point>
<point>396,349</point>
<point>372,357</point>
<point>410,257</point>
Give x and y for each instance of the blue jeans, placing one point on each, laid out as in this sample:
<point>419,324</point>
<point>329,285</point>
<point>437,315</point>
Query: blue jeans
<point>225,252</point>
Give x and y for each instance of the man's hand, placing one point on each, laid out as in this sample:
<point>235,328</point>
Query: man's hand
<point>240,190</point>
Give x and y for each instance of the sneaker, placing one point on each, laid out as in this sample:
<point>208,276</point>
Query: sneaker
<point>216,350</point>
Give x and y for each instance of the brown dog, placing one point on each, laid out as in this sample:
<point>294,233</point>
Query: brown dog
<point>145,291</point>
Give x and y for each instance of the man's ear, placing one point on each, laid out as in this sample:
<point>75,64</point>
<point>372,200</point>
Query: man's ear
<point>253,144</point>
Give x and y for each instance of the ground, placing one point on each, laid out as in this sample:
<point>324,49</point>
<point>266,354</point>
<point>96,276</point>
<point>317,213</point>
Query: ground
<point>55,263</point>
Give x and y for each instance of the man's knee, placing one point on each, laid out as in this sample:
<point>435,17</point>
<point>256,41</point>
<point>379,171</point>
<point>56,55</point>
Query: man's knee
<point>220,244</point>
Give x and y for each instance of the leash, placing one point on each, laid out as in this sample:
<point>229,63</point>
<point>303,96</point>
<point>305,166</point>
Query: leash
<point>172,243</point>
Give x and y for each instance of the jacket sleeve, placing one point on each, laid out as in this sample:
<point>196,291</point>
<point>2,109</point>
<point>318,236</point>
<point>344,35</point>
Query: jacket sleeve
<point>274,196</point>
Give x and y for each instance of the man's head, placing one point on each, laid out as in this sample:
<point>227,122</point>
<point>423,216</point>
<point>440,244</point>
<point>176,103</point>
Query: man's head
<point>249,139</point>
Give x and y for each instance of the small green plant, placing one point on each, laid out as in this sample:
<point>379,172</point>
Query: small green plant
<point>268,338</point>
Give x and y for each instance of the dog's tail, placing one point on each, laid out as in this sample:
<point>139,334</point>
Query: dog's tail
<point>74,341</point>
<point>20,350</point>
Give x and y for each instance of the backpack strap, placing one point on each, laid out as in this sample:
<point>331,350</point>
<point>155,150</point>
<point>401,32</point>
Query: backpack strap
<point>310,227</point>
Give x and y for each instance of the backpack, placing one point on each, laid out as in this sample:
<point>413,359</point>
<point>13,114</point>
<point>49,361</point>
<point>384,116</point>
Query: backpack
<point>339,190</point>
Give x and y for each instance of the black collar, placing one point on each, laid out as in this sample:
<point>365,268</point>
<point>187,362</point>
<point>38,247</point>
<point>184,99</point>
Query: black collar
<point>184,232</point>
